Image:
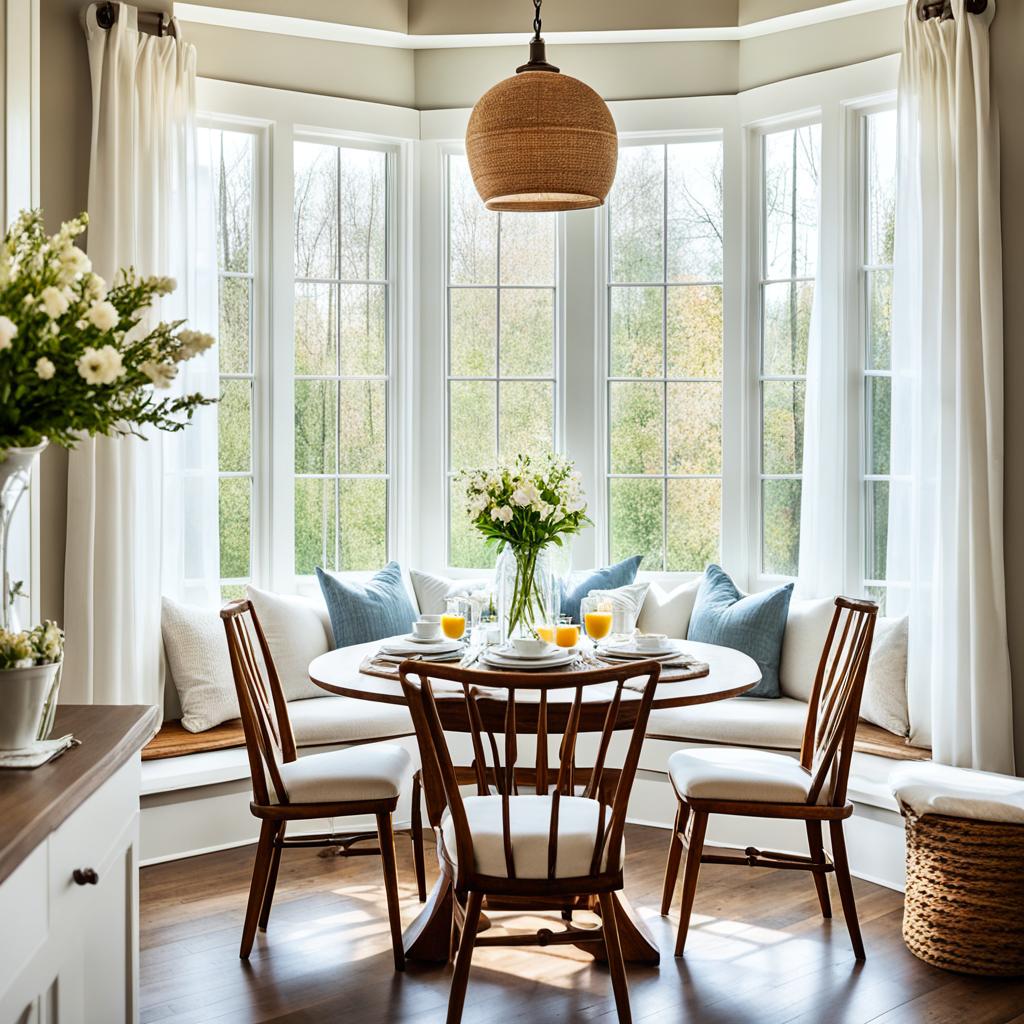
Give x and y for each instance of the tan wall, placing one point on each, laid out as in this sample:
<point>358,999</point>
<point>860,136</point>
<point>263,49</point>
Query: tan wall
<point>457,78</point>
<point>442,17</point>
<point>832,44</point>
<point>379,74</point>
<point>1008,78</point>
<point>389,15</point>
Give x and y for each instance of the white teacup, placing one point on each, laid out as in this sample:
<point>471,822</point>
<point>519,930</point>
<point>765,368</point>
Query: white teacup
<point>650,641</point>
<point>529,647</point>
<point>424,629</point>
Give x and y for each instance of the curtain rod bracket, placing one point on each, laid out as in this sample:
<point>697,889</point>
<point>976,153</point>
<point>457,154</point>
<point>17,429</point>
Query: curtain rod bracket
<point>943,10</point>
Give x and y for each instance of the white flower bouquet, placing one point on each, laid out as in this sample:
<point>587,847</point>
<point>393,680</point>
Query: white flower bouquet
<point>75,355</point>
<point>526,506</point>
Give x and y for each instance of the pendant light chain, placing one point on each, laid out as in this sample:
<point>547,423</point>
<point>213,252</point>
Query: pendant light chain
<point>536,18</point>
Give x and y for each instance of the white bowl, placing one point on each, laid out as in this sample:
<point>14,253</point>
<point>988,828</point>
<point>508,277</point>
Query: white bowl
<point>529,647</point>
<point>650,641</point>
<point>425,630</point>
<point>430,618</point>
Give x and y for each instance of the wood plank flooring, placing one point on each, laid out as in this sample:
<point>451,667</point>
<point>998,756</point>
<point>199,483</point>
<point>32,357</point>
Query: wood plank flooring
<point>758,950</point>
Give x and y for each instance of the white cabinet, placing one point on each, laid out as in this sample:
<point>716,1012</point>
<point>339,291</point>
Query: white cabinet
<point>69,916</point>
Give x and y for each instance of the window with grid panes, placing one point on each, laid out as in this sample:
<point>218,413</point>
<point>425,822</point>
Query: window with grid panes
<point>665,320</point>
<point>501,343</point>
<point>790,182</point>
<point>342,356</point>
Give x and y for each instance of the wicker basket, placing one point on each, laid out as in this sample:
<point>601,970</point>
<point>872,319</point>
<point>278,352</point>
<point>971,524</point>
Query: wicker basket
<point>964,907</point>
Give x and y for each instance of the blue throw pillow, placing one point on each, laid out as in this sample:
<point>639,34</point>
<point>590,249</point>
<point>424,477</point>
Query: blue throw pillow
<point>362,612</point>
<point>752,624</point>
<point>575,588</point>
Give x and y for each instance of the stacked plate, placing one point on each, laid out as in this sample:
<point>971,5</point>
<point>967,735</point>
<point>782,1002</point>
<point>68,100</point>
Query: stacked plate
<point>429,650</point>
<point>628,651</point>
<point>507,657</point>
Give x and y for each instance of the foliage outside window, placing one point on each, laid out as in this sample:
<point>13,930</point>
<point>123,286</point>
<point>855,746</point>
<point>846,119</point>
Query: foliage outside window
<point>500,344</point>
<point>341,367</point>
<point>665,319</point>
<point>234,190</point>
<point>790,185</point>
<point>879,224</point>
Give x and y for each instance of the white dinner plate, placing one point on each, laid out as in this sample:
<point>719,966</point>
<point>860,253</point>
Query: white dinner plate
<point>630,652</point>
<point>557,659</point>
<point>405,646</point>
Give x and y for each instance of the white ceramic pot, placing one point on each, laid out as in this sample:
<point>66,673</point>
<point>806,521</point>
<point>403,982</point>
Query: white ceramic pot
<point>23,692</point>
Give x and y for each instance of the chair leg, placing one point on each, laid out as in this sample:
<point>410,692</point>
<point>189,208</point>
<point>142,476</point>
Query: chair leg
<point>675,852</point>
<point>275,864</point>
<point>460,978</point>
<point>845,883</point>
<point>417,839</point>
<point>693,851</point>
<point>613,951</point>
<point>817,850</point>
<point>386,834</point>
<point>258,886</point>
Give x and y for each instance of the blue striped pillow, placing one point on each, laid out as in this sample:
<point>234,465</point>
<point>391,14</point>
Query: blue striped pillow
<point>611,577</point>
<point>362,612</point>
<point>753,624</point>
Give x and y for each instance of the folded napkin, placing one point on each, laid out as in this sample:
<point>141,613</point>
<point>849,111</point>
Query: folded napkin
<point>38,753</point>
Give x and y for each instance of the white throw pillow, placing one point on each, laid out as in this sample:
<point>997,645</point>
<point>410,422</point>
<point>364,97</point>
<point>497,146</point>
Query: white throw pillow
<point>669,611</point>
<point>802,643</point>
<point>885,687</point>
<point>433,591</point>
<point>298,629</point>
<point>197,656</point>
<point>626,603</point>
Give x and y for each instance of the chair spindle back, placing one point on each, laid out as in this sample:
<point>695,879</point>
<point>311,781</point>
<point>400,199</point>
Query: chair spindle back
<point>490,706</point>
<point>261,701</point>
<point>834,706</point>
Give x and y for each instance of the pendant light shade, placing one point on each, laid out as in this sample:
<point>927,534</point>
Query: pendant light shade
<point>541,140</point>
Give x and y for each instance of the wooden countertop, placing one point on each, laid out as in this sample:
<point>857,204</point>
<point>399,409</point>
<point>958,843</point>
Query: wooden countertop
<point>35,802</point>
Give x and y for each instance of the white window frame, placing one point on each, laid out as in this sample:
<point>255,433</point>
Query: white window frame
<point>557,381</point>
<point>856,328</point>
<point>727,283</point>
<point>283,118</point>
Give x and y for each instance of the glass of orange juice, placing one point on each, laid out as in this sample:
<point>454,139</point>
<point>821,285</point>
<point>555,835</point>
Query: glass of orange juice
<point>453,621</point>
<point>546,633</point>
<point>598,624</point>
<point>567,634</point>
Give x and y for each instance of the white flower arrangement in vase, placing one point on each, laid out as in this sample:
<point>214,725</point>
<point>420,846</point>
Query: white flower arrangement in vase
<point>78,357</point>
<point>523,508</point>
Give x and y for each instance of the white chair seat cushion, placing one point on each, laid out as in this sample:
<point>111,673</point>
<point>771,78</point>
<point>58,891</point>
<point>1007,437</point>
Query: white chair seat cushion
<point>329,720</point>
<point>373,772</point>
<point>959,793</point>
<point>776,724</point>
<point>529,825</point>
<point>737,773</point>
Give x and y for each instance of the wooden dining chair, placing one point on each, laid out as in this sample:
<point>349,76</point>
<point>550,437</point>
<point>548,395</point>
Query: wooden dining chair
<point>546,835</point>
<point>363,779</point>
<point>754,783</point>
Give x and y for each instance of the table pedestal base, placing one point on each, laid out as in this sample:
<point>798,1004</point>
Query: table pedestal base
<point>428,938</point>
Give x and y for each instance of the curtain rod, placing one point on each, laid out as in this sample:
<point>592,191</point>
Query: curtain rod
<point>943,10</point>
<point>152,21</point>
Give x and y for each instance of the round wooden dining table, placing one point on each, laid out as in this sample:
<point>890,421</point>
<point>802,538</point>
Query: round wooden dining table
<point>352,672</point>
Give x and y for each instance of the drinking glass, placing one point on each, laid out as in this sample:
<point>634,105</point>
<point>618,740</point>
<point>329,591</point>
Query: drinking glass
<point>597,616</point>
<point>453,621</point>
<point>567,633</point>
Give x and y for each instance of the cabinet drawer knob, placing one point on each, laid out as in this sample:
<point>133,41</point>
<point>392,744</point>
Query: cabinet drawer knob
<point>85,876</point>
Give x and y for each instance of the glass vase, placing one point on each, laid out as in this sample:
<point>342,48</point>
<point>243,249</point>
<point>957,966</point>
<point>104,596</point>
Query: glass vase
<point>15,469</point>
<point>526,589</point>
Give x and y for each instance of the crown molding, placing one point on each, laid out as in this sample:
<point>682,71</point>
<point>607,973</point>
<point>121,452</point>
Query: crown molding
<point>307,28</point>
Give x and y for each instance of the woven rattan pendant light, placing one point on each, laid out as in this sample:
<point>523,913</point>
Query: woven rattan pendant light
<point>541,140</point>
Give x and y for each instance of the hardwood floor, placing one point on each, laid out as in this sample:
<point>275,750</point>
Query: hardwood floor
<point>758,950</point>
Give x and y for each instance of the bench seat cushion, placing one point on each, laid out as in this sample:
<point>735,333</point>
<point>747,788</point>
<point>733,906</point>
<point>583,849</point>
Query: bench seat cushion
<point>319,722</point>
<point>775,724</point>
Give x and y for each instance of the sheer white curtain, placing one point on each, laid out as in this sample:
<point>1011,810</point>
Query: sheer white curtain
<point>945,514</point>
<point>141,188</point>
